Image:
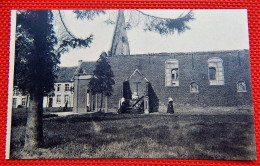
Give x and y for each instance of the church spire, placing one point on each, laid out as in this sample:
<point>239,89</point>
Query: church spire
<point>120,45</point>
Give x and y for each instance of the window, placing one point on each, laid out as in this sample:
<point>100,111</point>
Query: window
<point>215,71</point>
<point>58,98</point>
<point>212,73</point>
<point>194,87</point>
<point>67,87</point>
<point>16,92</point>
<point>172,72</point>
<point>58,87</point>
<point>23,101</point>
<point>66,98</point>
<point>241,86</point>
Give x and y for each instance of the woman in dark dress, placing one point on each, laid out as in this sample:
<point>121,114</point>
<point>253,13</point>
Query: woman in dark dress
<point>170,108</point>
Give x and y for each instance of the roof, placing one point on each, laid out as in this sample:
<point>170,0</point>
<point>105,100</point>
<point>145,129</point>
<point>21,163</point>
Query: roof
<point>180,53</point>
<point>64,74</point>
<point>88,67</point>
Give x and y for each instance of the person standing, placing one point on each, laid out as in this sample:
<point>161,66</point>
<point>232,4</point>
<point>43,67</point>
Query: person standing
<point>122,106</point>
<point>170,108</point>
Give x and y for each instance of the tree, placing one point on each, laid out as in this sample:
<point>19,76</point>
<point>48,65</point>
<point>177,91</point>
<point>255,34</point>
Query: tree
<point>102,81</point>
<point>35,64</point>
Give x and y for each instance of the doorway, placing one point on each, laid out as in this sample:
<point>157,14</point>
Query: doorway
<point>50,102</point>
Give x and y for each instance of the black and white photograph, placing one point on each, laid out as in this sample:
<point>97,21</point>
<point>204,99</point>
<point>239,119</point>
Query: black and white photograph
<point>173,84</point>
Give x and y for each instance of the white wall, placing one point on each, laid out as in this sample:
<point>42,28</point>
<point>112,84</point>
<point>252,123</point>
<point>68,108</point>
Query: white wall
<point>18,98</point>
<point>62,93</point>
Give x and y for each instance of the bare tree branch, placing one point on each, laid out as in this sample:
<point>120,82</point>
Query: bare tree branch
<point>74,42</point>
<point>65,26</point>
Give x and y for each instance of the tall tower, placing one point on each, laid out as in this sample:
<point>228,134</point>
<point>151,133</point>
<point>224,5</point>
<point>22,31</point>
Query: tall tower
<point>120,45</point>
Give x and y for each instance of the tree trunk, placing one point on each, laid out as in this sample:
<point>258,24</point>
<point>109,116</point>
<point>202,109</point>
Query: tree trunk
<point>34,126</point>
<point>101,102</point>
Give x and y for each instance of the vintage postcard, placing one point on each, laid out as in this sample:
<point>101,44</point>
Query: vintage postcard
<point>130,84</point>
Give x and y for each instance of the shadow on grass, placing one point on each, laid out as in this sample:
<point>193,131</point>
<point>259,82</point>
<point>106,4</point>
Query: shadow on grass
<point>51,141</point>
<point>100,135</point>
<point>96,117</point>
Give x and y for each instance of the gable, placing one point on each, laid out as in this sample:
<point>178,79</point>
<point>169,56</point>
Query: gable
<point>137,76</point>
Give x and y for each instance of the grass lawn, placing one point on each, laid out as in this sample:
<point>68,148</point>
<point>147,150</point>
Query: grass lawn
<point>228,136</point>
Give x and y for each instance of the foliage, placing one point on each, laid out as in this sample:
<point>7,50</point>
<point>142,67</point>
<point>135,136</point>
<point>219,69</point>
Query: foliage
<point>35,58</point>
<point>89,14</point>
<point>73,43</point>
<point>169,26</point>
<point>102,81</point>
<point>163,26</point>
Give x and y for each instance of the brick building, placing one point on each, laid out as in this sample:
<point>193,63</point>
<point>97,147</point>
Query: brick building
<point>218,78</point>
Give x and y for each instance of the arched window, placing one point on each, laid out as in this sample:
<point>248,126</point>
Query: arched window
<point>241,86</point>
<point>194,88</point>
<point>172,72</point>
<point>215,71</point>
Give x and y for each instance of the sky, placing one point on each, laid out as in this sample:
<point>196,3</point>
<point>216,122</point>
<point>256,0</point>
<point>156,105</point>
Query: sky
<point>211,30</point>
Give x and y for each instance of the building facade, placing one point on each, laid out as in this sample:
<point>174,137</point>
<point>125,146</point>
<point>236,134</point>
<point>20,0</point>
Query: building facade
<point>19,100</point>
<point>218,78</point>
<point>61,96</point>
